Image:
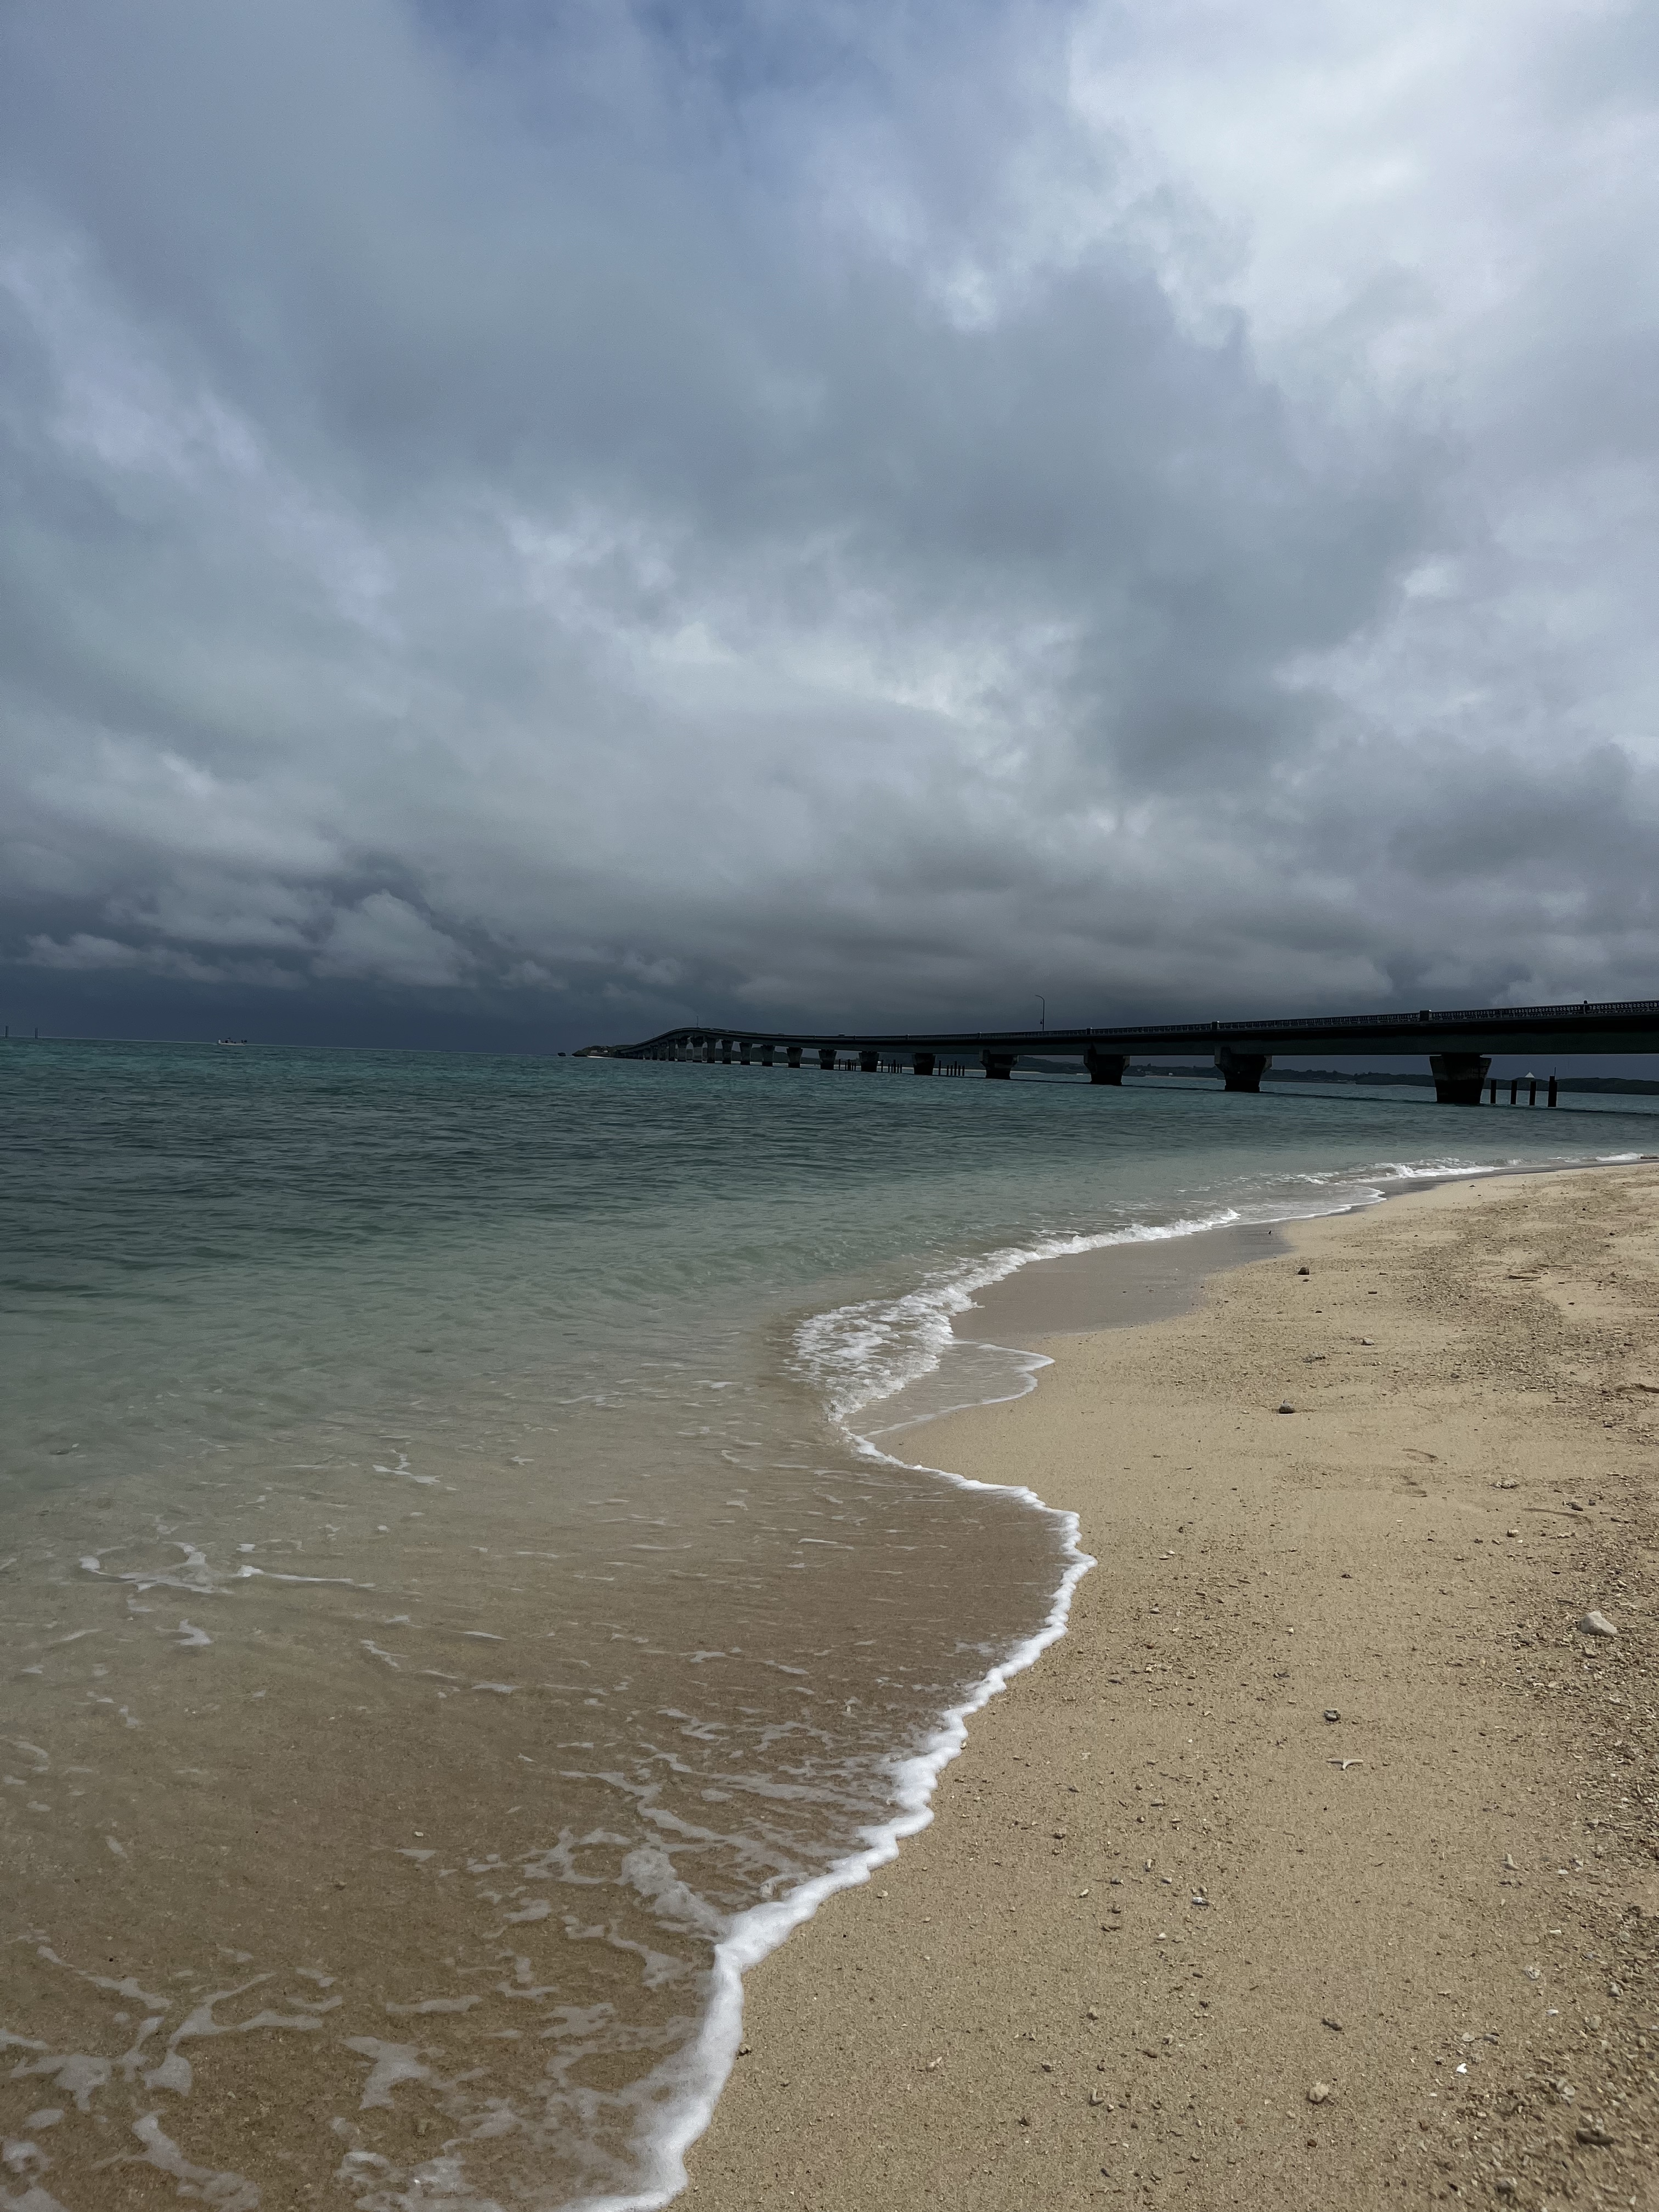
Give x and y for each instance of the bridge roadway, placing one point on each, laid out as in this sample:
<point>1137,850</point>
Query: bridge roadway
<point>1459,1044</point>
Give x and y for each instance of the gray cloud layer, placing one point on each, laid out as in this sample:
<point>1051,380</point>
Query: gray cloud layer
<point>598,516</point>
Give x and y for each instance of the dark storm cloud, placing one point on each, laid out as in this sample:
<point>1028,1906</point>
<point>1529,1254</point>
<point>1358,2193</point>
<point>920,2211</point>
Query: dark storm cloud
<point>562,516</point>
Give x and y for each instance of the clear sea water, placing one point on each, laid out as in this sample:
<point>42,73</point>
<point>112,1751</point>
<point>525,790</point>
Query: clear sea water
<point>452,1620</point>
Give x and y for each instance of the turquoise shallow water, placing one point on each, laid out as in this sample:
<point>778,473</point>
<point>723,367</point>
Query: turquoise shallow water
<point>200,1244</point>
<point>445,1593</point>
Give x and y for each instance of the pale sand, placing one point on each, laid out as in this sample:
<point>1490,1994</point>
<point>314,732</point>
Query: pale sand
<point>1471,1896</point>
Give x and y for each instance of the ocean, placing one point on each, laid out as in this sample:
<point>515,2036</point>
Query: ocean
<point>471,1581</point>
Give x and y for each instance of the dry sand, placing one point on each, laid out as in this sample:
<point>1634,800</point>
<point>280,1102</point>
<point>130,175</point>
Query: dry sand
<point>1176,1936</point>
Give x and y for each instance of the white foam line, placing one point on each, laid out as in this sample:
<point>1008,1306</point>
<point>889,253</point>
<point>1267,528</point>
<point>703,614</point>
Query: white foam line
<point>697,2079</point>
<point>693,2081</point>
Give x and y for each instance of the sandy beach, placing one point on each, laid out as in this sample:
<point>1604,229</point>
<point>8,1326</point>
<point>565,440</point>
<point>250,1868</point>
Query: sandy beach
<point>1316,1865</point>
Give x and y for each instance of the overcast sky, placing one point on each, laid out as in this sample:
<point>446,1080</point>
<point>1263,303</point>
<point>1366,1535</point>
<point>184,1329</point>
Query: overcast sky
<point>534,522</point>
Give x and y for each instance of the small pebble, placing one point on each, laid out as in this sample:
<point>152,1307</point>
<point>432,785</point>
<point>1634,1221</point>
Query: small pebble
<point>1286,1407</point>
<point>1596,1624</point>
<point>1320,2093</point>
<point>1332,1714</point>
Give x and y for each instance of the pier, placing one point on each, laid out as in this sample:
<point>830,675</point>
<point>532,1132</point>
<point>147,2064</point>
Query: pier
<point>1458,1043</point>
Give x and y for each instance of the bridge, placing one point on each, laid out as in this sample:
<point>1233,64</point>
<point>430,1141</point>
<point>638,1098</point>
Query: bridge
<point>1459,1044</point>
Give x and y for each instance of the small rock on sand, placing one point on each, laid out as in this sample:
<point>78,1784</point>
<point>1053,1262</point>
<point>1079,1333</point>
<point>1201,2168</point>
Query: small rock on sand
<point>1320,2093</point>
<point>1596,1624</point>
<point>1286,1407</point>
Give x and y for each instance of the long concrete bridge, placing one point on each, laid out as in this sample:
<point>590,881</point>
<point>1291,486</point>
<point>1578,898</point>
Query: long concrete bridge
<point>1459,1044</point>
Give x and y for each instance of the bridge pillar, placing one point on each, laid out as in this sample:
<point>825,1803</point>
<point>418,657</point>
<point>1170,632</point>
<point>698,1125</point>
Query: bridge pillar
<point>725,1051</point>
<point>1105,1067</point>
<point>826,1057</point>
<point>1242,1071</point>
<point>999,1066</point>
<point>794,1055</point>
<point>711,1051</point>
<point>744,1052</point>
<point>923,1062</point>
<point>869,1062</point>
<point>1459,1077</point>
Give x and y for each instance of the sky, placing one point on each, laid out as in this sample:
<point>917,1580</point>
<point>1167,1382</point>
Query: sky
<point>524,523</point>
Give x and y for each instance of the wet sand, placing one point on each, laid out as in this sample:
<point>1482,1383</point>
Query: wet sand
<point>1116,1286</point>
<point>1316,1865</point>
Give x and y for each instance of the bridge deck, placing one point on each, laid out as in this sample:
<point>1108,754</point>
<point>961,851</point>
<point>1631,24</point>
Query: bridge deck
<point>1629,1025</point>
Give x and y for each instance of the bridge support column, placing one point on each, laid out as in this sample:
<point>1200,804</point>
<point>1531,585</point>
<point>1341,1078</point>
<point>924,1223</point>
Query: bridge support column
<point>725,1051</point>
<point>923,1062</point>
<point>999,1066</point>
<point>766,1055</point>
<point>794,1055</point>
<point>1459,1077</point>
<point>744,1050</point>
<point>869,1062</point>
<point>826,1057</point>
<point>1105,1067</point>
<point>1242,1071</point>
<point>711,1051</point>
